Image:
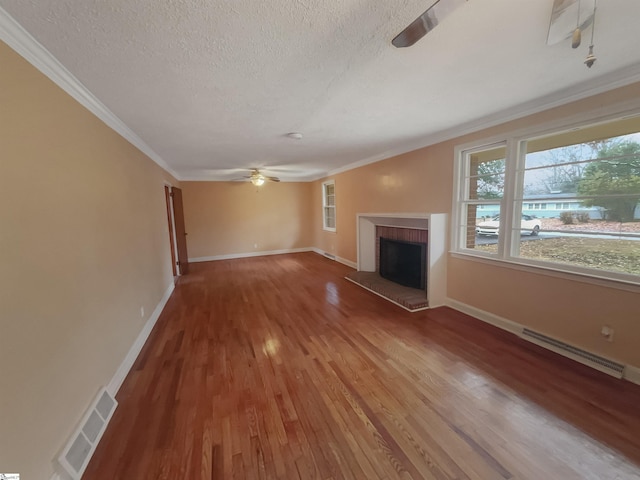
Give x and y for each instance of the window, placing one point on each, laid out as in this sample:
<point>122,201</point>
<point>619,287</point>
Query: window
<point>480,201</point>
<point>329,206</point>
<point>567,200</point>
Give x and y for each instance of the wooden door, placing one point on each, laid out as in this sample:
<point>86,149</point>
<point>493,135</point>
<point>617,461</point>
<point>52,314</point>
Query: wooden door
<point>181,234</point>
<point>167,196</point>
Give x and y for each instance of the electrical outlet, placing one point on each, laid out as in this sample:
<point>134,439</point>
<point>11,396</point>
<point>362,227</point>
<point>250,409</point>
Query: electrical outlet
<point>142,312</point>
<point>607,333</point>
<point>255,245</point>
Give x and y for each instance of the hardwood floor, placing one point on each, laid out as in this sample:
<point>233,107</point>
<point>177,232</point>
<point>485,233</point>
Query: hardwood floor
<point>276,367</point>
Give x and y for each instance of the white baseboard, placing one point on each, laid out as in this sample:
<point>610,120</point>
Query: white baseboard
<point>631,373</point>
<point>346,262</point>
<point>127,363</point>
<point>486,317</point>
<point>341,260</point>
<point>130,358</point>
<point>231,256</point>
<point>249,254</point>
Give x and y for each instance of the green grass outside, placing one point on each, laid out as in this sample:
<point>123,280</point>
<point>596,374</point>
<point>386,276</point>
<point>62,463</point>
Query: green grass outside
<point>612,255</point>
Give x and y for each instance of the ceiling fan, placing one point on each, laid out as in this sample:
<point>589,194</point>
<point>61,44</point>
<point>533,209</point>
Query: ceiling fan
<point>426,22</point>
<point>258,178</point>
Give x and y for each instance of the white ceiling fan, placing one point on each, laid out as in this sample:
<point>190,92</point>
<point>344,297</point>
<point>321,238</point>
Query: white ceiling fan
<point>426,22</point>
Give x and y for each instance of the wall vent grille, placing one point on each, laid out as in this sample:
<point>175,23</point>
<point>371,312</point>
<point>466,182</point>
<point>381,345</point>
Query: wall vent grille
<point>599,363</point>
<point>329,255</point>
<point>76,454</point>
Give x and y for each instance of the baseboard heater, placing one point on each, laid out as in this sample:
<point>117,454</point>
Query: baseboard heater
<point>605,365</point>
<point>76,454</point>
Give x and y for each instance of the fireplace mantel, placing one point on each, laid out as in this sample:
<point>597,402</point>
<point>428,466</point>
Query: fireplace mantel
<point>434,223</point>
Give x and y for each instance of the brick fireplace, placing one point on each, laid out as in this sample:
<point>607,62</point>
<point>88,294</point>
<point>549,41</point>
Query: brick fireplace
<point>396,233</point>
<point>411,227</point>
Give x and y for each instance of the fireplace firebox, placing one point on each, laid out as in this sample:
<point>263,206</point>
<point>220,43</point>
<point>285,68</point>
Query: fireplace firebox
<point>403,262</point>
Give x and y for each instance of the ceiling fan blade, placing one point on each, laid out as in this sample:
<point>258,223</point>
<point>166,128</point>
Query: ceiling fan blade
<point>272,179</point>
<point>426,22</point>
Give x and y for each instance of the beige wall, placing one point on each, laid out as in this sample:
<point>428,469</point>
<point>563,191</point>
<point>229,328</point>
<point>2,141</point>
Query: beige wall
<point>83,245</point>
<point>422,181</point>
<point>223,218</point>
<point>409,183</point>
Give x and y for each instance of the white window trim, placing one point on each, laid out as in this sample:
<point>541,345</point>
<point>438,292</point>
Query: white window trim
<point>514,140</point>
<point>324,205</point>
<point>460,174</point>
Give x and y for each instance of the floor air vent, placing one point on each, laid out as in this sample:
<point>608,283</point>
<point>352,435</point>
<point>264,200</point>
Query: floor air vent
<point>329,255</point>
<point>599,363</point>
<point>76,455</point>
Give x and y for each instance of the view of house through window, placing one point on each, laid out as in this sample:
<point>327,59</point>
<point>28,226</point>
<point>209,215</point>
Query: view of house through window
<point>575,200</point>
<point>329,205</point>
<point>484,181</point>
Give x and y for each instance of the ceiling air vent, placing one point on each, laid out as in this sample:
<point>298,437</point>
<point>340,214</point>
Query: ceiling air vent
<point>78,451</point>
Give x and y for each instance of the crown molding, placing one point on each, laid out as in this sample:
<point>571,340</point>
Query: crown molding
<point>610,81</point>
<point>14,35</point>
<point>604,83</point>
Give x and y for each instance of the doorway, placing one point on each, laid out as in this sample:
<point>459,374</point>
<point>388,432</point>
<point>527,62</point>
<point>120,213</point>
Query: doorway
<point>177,232</point>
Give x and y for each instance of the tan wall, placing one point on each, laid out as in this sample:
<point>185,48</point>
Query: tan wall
<point>569,310</point>
<point>225,218</point>
<point>83,245</point>
<point>408,183</point>
<point>422,181</point>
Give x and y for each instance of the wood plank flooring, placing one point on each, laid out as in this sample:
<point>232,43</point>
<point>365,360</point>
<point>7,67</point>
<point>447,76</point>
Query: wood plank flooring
<point>278,368</point>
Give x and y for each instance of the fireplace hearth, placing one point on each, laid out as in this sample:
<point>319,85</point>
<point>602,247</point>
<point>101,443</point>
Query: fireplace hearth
<point>429,229</point>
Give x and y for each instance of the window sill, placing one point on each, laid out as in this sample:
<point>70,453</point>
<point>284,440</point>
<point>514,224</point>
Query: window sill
<point>327,229</point>
<point>551,271</point>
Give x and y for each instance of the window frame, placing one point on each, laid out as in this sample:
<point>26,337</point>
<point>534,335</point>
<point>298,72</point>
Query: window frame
<point>461,200</point>
<point>512,202</point>
<point>325,206</point>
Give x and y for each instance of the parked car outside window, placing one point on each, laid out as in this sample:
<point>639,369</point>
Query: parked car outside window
<point>528,223</point>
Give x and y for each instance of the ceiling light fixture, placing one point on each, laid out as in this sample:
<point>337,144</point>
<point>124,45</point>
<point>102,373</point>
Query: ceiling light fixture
<point>295,135</point>
<point>257,180</point>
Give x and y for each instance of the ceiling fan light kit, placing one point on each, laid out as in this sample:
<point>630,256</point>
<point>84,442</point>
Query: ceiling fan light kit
<point>258,179</point>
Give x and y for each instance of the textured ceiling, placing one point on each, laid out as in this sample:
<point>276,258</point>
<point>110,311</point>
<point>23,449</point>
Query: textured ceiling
<point>214,86</point>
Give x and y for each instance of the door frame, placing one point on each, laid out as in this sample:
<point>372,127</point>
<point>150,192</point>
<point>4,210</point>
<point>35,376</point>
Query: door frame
<point>172,230</point>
